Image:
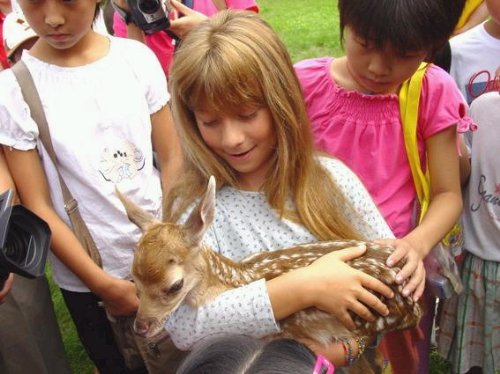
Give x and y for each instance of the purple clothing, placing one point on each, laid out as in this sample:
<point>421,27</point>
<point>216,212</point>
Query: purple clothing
<point>365,132</point>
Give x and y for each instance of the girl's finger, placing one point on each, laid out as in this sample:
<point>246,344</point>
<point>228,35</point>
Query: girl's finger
<point>347,254</point>
<point>373,302</point>
<point>407,271</point>
<point>414,282</point>
<point>375,285</point>
<point>396,256</point>
<point>419,291</point>
<point>362,310</point>
<point>345,318</point>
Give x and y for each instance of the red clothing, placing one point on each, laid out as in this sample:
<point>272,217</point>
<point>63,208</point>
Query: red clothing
<point>4,62</point>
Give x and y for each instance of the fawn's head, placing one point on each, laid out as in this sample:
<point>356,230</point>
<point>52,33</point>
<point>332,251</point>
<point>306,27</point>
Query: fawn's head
<point>166,260</point>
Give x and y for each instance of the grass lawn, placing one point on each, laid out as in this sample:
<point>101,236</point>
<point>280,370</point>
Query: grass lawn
<point>309,29</point>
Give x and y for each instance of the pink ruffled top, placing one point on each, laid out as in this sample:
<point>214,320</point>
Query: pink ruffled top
<point>365,131</point>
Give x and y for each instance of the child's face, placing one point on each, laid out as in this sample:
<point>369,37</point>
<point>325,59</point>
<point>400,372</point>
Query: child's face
<point>378,71</point>
<point>60,23</point>
<point>246,140</point>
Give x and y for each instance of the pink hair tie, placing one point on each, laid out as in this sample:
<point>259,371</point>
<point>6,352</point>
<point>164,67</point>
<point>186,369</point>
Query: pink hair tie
<point>323,363</point>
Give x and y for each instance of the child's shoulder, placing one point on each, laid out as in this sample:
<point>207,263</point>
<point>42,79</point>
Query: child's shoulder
<point>313,63</point>
<point>8,86</point>
<point>436,77</point>
<point>128,45</point>
<point>313,73</point>
<point>470,37</point>
<point>136,53</point>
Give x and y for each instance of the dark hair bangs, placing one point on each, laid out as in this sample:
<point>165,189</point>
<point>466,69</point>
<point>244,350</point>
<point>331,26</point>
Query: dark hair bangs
<point>404,25</point>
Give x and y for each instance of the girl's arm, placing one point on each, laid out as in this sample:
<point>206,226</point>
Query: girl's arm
<point>119,296</point>
<point>444,211</point>
<point>167,147</point>
<point>464,160</point>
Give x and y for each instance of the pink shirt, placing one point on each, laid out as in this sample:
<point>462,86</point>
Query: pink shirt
<point>163,45</point>
<point>365,132</point>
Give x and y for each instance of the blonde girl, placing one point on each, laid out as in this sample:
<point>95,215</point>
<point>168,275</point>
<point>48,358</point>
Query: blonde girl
<point>241,115</point>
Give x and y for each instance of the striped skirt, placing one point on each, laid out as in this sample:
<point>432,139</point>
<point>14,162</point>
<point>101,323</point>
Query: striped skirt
<point>469,326</point>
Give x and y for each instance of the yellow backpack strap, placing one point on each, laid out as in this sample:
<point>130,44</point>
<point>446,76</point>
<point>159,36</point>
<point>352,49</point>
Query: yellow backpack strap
<point>409,98</point>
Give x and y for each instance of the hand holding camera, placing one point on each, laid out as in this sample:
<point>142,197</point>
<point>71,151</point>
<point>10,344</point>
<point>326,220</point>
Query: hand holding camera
<point>150,16</point>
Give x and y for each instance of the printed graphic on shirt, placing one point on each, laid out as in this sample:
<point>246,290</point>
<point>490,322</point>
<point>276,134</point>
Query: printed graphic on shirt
<point>487,197</point>
<point>121,162</point>
<point>479,83</point>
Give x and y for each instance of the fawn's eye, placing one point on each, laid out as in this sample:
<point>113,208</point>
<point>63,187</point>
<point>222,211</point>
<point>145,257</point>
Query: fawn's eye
<point>176,287</point>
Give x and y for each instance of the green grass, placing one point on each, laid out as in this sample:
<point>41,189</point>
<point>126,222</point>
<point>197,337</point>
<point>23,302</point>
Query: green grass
<point>309,29</point>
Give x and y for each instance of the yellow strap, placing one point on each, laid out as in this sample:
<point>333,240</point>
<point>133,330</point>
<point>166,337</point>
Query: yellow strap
<point>409,98</point>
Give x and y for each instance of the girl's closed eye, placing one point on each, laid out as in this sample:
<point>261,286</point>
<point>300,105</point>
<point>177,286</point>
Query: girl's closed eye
<point>209,122</point>
<point>248,115</point>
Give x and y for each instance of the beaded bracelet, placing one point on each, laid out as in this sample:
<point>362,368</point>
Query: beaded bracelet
<point>361,346</point>
<point>349,358</point>
<point>347,345</point>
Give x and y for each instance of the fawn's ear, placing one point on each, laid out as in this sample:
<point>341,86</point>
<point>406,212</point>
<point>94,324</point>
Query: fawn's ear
<point>135,214</point>
<point>202,215</point>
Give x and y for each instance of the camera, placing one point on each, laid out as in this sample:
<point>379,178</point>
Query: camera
<point>24,240</point>
<point>149,15</point>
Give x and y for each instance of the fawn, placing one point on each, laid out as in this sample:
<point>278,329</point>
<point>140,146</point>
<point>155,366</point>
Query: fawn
<point>172,265</point>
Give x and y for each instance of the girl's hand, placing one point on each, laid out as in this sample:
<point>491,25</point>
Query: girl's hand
<point>413,270</point>
<point>120,298</point>
<point>6,287</point>
<point>338,288</point>
<point>180,26</point>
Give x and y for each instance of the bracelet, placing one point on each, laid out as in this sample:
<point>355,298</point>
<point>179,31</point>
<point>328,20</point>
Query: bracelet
<point>361,346</point>
<point>348,352</point>
<point>346,358</point>
<point>349,358</point>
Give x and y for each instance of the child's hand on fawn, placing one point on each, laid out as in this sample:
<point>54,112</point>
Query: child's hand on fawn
<point>120,298</point>
<point>337,288</point>
<point>413,268</point>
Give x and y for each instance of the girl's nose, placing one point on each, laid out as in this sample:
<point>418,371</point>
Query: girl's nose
<point>379,66</point>
<point>232,135</point>
<point>53,16</point>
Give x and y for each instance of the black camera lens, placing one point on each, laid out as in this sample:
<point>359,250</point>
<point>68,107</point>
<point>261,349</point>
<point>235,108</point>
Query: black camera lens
<point>149,6</point>
<point>18,245</point>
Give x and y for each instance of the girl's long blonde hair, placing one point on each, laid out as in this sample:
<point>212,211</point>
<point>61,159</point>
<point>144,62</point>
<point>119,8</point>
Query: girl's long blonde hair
<point>236,59</point>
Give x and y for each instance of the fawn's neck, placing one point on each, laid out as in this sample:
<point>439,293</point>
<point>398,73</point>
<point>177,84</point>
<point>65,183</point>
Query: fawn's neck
<point>224,271</point>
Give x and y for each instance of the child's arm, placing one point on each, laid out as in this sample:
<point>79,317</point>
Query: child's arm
<point>464,158</point>
<point>167,146</point>
<point>119,296</point>
<point>443,212</point>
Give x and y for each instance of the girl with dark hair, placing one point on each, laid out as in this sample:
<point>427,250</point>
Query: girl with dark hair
<point>247,355</point>
<point>353,105</point>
